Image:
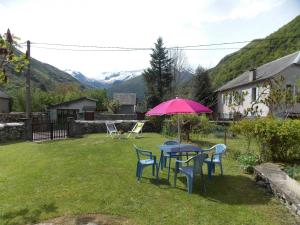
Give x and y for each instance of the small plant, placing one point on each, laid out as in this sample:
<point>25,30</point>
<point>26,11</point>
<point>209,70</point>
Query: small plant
<point>293,171</point>
<point>248,161</point>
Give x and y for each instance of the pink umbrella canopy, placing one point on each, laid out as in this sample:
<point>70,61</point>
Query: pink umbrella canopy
<point>178,106</point>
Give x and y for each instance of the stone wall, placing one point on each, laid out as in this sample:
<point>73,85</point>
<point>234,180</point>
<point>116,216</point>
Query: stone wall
<point>277,182</point>
<point>103,116</point>
<point>12,132</point>
<point>98,126</point>
<point>19,116</point>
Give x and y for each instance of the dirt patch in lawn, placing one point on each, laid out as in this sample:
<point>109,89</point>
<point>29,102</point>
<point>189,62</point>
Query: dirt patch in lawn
<point>88,219</point>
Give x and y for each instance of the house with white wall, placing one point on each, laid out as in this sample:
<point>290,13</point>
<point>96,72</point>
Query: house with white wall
<point>252,84</point>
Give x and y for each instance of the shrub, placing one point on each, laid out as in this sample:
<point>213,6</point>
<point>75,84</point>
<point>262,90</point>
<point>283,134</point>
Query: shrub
<point>192,123</point>
<point>293,171</point>
<point>244,128</point>
<point>278,139</point>
<point>155,123</point>
<point>248,161</point>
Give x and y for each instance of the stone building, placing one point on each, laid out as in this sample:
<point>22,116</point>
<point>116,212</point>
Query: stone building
<point>82,108</point>
<point>127,102</point>
<point>4,102</point>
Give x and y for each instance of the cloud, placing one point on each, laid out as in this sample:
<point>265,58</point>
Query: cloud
<point>220,10</point>
<point>130,23</point>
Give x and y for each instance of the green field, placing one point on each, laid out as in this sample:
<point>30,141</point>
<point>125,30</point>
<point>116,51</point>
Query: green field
<point>96,174</point>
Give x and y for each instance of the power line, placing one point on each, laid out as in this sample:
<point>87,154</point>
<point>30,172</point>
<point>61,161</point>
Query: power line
<point>132,50</point>
<point>85,50</point>
<point>147,48</point>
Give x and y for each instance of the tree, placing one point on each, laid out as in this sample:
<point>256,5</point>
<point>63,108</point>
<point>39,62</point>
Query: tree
<point>202,91</point>
<point>180,67</point>
<point>10,57</point>
<point>158,78</point>
<point>101,96</point>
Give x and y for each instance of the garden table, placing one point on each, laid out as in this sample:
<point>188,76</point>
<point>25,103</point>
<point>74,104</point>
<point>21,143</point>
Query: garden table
<point>175,151</point>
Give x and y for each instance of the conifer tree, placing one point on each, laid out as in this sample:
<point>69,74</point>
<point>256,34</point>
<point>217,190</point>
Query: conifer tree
<point>201,86</point>
<point>158,78</point>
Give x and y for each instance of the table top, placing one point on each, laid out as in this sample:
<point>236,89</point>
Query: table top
<point>180,148</point>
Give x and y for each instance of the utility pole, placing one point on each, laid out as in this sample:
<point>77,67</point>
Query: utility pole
<point>27,84</point>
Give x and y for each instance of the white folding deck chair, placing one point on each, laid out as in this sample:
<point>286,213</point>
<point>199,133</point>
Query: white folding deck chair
<point>112,130</point>
<point>136,130</point>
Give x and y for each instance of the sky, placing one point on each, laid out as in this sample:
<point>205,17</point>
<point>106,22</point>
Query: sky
<point>138,24</point>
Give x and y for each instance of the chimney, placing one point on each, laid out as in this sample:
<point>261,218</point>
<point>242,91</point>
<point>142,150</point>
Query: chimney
<point>252,75</point>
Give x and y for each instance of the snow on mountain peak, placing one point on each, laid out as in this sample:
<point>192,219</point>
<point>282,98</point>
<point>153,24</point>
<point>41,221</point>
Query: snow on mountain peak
<point>111,77</point>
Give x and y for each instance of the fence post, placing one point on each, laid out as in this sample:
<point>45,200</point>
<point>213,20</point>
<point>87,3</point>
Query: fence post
<point>28,128</point>
<point>72,130</point>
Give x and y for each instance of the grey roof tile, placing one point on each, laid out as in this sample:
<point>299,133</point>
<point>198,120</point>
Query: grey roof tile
<point>264,72</point>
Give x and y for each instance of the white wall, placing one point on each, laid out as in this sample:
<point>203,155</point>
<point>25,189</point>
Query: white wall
<point>226,108</point>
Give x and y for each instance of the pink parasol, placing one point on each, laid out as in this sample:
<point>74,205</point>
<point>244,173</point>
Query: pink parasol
<point>178,106</point>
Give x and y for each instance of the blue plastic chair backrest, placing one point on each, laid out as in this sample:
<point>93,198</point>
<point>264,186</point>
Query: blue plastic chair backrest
<point>198,162</point>
<point>219,149</point>
<point>140,152</point>
<point>171,142</point>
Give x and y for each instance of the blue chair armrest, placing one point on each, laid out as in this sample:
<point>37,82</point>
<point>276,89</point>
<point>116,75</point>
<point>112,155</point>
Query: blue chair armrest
<point>146,153</point>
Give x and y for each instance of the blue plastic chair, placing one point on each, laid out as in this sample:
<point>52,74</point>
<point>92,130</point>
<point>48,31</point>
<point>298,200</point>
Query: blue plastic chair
<point>164,157</point>
<point>167,156</point>
<point>190,171</point>
<point>145,158</point>
<point>216,158</point>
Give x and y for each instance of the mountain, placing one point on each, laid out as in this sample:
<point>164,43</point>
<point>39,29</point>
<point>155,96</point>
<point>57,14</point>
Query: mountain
<point>43,76</point>
<point>137,85</point>
<point>106,79</point>
<point>93,83</point>
<point>112,77</point>
<point>258,52</point>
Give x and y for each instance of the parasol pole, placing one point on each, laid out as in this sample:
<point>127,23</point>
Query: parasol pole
<point>178,128</point>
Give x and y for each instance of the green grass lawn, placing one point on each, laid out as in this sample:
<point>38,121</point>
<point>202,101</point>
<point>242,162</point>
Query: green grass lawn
<point>96,174</point>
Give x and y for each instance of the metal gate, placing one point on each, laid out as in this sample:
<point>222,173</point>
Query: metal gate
<point>49,130</point>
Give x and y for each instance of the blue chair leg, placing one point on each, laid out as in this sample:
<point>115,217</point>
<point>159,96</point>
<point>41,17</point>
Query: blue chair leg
<point>189,184</point>
<point>209,168</point>
<point>169,168</point>
<point>140,172</point>
<point>175,173</point>
<point>221,167</point>
<point>153,169</point>
<point>213,167</point>
<point>165,161</point>
<point>137,169</point>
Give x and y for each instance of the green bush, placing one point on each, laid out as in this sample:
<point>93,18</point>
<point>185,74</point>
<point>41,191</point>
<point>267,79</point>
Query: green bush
<point>248,161</point>
<point>168,129</point>
<point>293,171</point>
<point>278,139</point>
<point>192,123</point>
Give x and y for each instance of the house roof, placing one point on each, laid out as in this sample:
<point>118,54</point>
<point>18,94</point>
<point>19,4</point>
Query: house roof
<point>264,72</point>
<point>4,95</point>
<point>125,98</point>
<point>72,101</point>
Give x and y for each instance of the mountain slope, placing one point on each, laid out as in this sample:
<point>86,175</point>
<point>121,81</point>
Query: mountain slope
<point>280,43</point>
<point>137,85</point>
<point>43,76</point>
<point>133,85</point>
